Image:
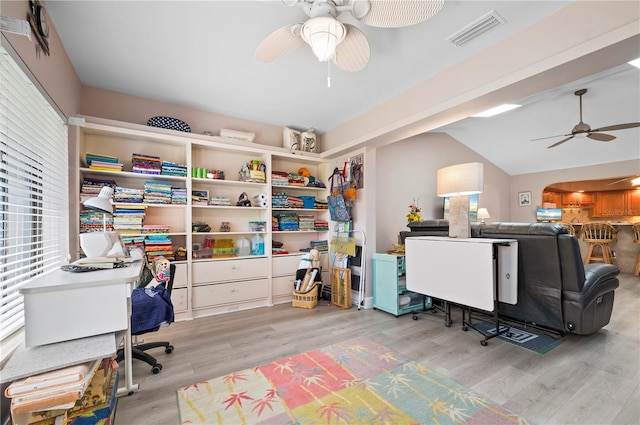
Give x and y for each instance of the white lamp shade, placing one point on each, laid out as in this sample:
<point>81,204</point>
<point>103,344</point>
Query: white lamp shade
<point>323,34</point>
<point>102,202</point>
<point>483,213</point>
<point>460,179</point>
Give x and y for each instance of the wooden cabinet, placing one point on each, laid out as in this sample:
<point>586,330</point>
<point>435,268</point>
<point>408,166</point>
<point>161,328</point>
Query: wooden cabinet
<point>611,203</point>
<point>633,202</point>
<point>204,284</point>
<point>553,198</point>
<point>577,199</point>
<point>389,286</point>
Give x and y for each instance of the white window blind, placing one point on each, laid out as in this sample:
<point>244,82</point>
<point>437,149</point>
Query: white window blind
<point>33,189</point>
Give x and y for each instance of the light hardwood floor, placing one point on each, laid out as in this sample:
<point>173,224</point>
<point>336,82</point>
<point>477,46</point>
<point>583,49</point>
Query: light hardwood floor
<point>591,379</point>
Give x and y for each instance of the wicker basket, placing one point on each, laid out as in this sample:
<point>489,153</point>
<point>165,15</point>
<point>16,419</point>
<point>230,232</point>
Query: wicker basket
<point>307,299</point>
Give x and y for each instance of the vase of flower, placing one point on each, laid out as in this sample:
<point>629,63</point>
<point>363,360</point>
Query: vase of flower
<point>414,212</point>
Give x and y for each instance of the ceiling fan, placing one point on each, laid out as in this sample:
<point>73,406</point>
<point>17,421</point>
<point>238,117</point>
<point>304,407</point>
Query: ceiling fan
<point>342,43</point>
<point>584,130</point>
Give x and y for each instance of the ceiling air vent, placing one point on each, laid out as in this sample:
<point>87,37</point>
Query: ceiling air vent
<point>476,28</point>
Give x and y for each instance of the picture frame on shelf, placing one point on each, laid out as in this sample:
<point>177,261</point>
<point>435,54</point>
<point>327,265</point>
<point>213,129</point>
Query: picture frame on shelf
<point>524,198</point>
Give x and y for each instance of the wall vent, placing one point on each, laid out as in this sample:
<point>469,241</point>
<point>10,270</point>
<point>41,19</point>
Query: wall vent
<point>476,28</point>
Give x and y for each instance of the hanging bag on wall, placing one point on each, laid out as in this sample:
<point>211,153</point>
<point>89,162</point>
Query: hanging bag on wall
<point>337,206</point>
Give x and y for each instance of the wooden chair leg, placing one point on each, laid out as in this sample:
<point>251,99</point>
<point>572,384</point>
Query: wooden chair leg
<point>636,270</point>
<point>587,259</point>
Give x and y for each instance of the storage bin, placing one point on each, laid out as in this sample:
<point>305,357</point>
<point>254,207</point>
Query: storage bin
<point>308,201</point>
<point>257,226</point>
<point>307,299</point>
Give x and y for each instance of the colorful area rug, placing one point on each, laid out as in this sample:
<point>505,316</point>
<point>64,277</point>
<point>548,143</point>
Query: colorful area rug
<point>353,382</point>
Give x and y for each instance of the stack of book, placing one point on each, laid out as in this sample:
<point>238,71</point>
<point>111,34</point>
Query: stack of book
<point>65,394</point>
<point>288,222</point>
<point>133,242</point>
<point>322,246</point>
<point>128,195</point>
<point>179,195</point>
<point>321,225</point>
<point>157,192</point>
<point>91,187</point>
<point>173,169</point>
<point>146,164</point>
<point>128,219</point>
<point>103,162</point>
<point>306,222</point>
<point>94,221</point>
<point>157,245</point>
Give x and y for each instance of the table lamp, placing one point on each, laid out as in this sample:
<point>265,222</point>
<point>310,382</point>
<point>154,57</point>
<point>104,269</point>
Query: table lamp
<point>458,182</point>
<point>483,214</point>
<point>102,244</point>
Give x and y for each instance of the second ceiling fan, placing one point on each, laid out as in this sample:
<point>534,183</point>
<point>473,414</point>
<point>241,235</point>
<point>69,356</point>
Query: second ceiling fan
<point>584,130</point>
<point>342,43</point>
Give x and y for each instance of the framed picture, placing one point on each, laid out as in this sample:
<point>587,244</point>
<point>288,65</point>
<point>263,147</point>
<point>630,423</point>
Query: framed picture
<point>524,198</point>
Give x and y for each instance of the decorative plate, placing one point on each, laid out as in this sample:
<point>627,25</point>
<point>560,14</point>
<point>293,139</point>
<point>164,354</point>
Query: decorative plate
<point>170,123</point>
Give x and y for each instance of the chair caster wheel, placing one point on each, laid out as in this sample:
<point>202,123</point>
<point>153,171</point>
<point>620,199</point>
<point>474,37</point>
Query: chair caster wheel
<point>448,323</point>
<point>464,328</point>
<point>483,343</point>
<point>508,334</point>
<point>169,349</point>
<point>156,369</point>
<point>415,317</point>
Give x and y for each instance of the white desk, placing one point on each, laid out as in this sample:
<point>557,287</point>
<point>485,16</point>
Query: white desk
<point>62,306</point>
<point>472,272</point>
<point>461,270</point>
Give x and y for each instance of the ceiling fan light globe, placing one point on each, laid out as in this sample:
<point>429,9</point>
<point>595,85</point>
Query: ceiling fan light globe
<point>323,34</point>
<point>580,135</point>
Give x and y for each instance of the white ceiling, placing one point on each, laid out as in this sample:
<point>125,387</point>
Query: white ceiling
<point>200,54</point>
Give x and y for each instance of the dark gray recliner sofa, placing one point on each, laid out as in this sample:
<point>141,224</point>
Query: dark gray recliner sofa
<point>555,290</point>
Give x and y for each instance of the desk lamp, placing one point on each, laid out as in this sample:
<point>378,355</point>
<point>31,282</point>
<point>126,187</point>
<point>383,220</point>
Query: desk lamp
<point>101,244</point>
<point>458,182</point>
<point>102,203</point>
<point>483,214</point>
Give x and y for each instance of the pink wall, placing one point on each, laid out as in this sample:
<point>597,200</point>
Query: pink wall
<point>54,73</point>
<point>123,107</point>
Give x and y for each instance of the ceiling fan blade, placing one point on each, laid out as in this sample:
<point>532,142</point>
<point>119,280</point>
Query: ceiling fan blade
<point>400,13</point>
<point>280,42</point>
<point>618,126</point>
<point>560,142</point>
<point>353,53</point>
<point>601,137</point>
<point>551,137</point>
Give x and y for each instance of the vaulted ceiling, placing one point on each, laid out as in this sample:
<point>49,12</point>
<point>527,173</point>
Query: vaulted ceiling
<point>201,54</point>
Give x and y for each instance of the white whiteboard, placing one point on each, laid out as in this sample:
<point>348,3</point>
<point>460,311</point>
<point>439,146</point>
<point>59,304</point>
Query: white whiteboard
<point>461,270</point>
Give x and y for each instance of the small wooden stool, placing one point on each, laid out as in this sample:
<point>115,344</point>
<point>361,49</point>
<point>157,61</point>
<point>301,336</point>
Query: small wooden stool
<point>635,231</point>
<point>599,235</point>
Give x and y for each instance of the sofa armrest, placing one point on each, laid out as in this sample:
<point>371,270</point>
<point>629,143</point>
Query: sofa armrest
<point>599,279</point>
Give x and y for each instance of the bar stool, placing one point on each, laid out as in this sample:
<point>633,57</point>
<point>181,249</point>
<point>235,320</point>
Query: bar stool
<point>635,231</point>
<point>569,226</point>
<point>599,235</point>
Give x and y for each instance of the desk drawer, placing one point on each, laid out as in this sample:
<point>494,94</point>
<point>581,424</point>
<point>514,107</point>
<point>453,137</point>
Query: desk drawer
<point>229,270</point>
<point>229,293</point>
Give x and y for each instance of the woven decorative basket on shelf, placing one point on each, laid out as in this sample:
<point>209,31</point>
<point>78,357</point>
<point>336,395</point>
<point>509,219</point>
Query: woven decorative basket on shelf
<point>307,299</point>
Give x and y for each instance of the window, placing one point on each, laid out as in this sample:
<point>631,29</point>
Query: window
<point>34,191</point>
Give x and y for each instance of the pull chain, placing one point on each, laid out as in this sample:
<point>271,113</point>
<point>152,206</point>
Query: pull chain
<point>328,74</point>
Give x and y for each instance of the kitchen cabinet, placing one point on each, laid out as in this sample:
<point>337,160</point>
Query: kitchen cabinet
<point>633,202</point>
<point>572,199</point>
<point>611,203</point>
<point>390,288</point>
